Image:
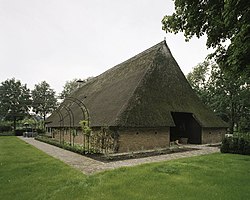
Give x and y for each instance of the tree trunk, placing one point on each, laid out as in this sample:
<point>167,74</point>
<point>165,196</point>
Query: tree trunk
<point>44,118</point>
<point>232,115</point>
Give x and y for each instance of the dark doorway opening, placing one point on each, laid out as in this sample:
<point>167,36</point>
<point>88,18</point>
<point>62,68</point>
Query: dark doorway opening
<point>185,127</point>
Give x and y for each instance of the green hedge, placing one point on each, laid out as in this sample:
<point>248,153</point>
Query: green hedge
<point>20,131</point>
<point>236,145</point>
<point>66,146</point>
<point>5,128</point>
<point>7,133</point>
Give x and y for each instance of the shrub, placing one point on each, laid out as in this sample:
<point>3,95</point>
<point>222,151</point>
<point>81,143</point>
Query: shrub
<point>40,131</point>
<point>76,149</point>
<point>246,147</point>
<point>7,133</point>
<point>241,145</point>
<point>225,145</point>
<point>19,132</point>
<point>5,128</point>
<point>237,145</point>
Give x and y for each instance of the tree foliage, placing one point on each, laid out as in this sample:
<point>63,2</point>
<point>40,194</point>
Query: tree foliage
<point>73,85</point>
<point>230,98</point>
<point>69,87</point>
<point>14,100</point>
<point>226,95</point>
<point>198,80</point>
<point>224,22</point>
<point>44,99</point>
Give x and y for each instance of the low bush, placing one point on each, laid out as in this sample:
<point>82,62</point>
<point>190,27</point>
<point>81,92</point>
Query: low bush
<point>40,131</point>
<point>237,145</point>
<point>67,146</point>
<point>7,133</point>
<point>5,128</point>
<point>19,132</point>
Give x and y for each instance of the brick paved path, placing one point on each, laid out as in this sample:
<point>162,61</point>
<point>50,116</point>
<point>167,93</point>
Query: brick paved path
<point>90,166</point>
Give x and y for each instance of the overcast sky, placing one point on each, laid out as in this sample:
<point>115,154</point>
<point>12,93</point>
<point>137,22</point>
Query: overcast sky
<point>59,40</point>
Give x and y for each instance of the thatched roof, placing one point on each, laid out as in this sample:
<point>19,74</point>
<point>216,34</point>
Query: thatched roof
<point>140,92</point>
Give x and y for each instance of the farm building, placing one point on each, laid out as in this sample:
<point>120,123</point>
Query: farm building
<point>144,103</point>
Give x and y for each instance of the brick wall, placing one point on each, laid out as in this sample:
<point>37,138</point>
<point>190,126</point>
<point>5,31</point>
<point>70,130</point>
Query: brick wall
<point>143,139</point>
<point>129,139</point>
<point>212,135</point>
<point>66,136</point>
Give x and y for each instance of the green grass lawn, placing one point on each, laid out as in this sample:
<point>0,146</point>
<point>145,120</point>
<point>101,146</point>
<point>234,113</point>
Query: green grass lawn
<point>27,173</point>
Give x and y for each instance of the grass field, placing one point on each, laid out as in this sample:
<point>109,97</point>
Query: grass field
<point>27,173</point>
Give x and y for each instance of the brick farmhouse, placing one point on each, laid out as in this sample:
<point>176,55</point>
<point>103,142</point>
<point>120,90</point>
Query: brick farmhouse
<point>145,103</point>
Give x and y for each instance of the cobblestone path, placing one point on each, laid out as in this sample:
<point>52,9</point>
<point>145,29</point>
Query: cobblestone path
<point>90,166</point>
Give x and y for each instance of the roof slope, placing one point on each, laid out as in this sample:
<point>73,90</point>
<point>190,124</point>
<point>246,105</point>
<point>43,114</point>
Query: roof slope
<point>140,92</point>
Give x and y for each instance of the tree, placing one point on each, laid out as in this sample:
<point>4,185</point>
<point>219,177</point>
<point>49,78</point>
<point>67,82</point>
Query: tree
<point>14,100</point>
<point>44,99</point>
<point>226,24</point>
<point>69,87</point>
<point>198,80</point>
<point>229,97</point>
<point>73,85</point>
<point>226,95</point>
